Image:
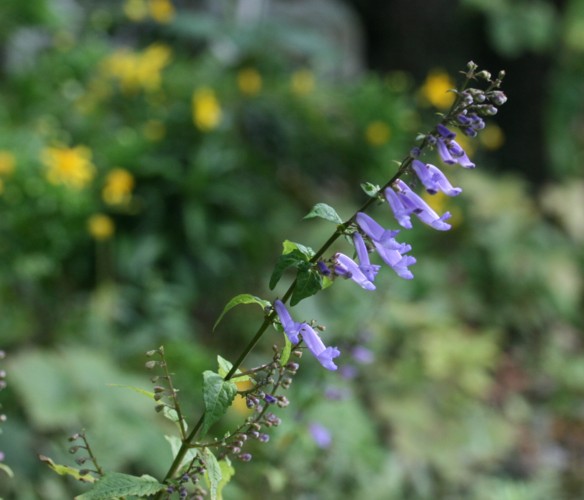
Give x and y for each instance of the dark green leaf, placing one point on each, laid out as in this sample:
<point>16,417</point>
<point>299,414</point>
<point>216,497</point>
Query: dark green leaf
<point>218,395</point>
<point>308,282</point>
<point>244,298</point>
<point>292,259</point>
<point>324,211</point>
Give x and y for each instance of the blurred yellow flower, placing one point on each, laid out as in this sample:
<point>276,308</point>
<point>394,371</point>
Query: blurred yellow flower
<point>435,89</point>
<point>101,227</point>
<point>71,167</point>
<point>302,82</point>
<point>154,130</point>
<point>161,11</point>
<point>7,162</point>
<point>138,70</point>
<point>118,187</point>
<point>492,137</point>
<point>135,10</point>
<point>377,133</point>
<point>249,81</point>
<point>206,109</point>
<point>440,203</point>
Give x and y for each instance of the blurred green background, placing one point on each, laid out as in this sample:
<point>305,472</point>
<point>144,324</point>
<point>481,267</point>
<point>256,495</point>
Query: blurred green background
<point>154,154</point>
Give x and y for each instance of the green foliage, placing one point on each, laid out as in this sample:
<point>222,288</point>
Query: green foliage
<point>116,484</point>
<point>244,298</point>
<point>218,394</point>
<point>325,212</point>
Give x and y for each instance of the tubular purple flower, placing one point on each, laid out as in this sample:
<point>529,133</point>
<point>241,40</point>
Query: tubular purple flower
<point>386,246</point>
<point>459,155</point>
<point>433,179</point>
<point>444,152</point>
<point>416,205</point>
<point>348,268</point>
<point>321,435</point>
<point>368,269</point>
<point>400,212</point>
<point>445,132</point>
<point>291,327</point>
<point>323,354</point>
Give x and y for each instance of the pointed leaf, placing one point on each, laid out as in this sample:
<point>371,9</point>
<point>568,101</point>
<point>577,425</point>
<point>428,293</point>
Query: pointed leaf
<point>293,255</point>
<point>213,473</point>
<point>135,389</point>
<point>244,298</point>
<point>218,394</point>
<point>308,282</point>
<point>324,211</point>
<point>370,189</point>
<point>65,470</point>
<point>224,367</point>
<point>116,484</point>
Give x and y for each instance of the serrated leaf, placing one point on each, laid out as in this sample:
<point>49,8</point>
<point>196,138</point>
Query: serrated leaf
<point>175,444</point>
<point>370,189</point>
<point>308,282</point>
<point>325,212</point>
<point>213,473</point>
<point>65,470</point>
<point>7,470</point>
<point>244,298</point>
<point>224,367</point>
<point>116,484</point>
<point>218,394</point>
<point>286,351</point>
<point>227,472</point>
<point>135,389</point>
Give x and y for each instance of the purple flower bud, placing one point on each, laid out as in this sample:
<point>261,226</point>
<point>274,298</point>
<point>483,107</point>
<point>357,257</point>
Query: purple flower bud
<point>433,179</point>
<point>270,399</point>
<point>245,457</point>
<point>445,132</point>
<point>323,268</point>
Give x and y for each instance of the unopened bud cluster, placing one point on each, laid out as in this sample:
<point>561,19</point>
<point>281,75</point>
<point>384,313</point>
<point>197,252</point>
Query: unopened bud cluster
<point>189,480</point>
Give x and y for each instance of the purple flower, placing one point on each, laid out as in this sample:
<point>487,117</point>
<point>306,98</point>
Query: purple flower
<point>348,268</point>
<point>386,246</point>
<point>321,435</point>
<point>368,269</point>
<point>433,179</point>
<point>411,203</point>
<point>291,327</point>
<point>449,150</point>
<point>323,354</point>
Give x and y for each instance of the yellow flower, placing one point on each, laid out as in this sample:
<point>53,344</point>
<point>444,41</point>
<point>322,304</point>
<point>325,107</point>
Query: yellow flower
<point>135,10</point>
<point>439,202</point>
<point>161,11</point>
<point>138,71</point>
<point>71,167</point>
<point>377,133</point>
<point>249,81</point>
<point>7,162</point>
<point>118,187</point>
<point>206,109</point>
<point>154,130</point>
<point>101,227</point>
<point>302,82</point>
<point>492,137</point>
<point>435,89</point>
